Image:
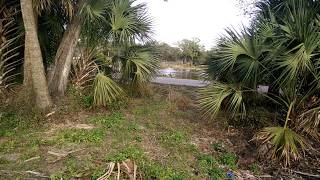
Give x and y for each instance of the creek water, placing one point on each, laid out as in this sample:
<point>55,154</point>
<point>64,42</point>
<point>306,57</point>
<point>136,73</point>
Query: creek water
<point>179,77</point>
<point>180,73</point>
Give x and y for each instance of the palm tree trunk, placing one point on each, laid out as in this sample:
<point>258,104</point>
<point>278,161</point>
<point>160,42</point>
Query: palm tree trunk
<point>63,59</point>
<point>34,69</point>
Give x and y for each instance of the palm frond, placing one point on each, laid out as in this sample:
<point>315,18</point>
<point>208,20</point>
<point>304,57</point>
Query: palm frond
<point>309,122</point>
<point>286,144</point>
<point>85,68</point>
<point>129,22</point>
<point>94,9</point>
<point>217,96</point>
<point>140,67</point>
<point>9,49</point>
<point>106,90</point>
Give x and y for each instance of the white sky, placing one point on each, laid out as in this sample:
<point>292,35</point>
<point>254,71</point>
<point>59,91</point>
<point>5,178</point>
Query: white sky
<point>184,19</point>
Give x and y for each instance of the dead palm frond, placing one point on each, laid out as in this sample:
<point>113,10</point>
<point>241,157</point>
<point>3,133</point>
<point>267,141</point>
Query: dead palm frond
<point>9,48</point>
<point>286,144</point>
<point>84,69</point>
<point>309,122</point>
<point>121,170</point>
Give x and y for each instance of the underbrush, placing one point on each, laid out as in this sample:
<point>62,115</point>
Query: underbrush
<point>146,131</point>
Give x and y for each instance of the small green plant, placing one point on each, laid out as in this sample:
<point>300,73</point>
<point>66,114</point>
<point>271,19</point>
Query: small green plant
<point>80,136</point>
<point>229,159</point>
<point>108,121</point>
<point>173,138</point>
<point>153,170</point>
<point>255,168</point>
<point>218,146</point>
<point>207,164</point>
<point>216,173</point>
<point>132,152</point>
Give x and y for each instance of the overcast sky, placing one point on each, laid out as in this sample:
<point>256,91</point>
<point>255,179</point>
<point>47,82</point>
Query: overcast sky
<point>184,19</point>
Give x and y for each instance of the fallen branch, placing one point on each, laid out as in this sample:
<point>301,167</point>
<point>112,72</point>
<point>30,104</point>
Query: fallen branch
<point>304,173</point>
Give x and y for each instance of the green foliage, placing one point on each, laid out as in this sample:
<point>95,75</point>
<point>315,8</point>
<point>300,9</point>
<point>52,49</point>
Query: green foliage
<point>106,91</point>
<point>108,121</point>
<point>174,138</point>
<point>191,49</point>
<point>139,67</point>
<point>229,159</point>
<point>285,143</point>
<point>131,152</point>
<point>279,50</point>
<point>129,22</point>
<point>157,171</point>
<point>218,146</point>
<point>209,165</point>
<point>213,97</point>
<point>80,136</point>
<point>255,169</point>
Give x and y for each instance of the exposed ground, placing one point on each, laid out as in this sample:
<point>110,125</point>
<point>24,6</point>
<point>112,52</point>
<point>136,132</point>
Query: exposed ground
<point>163,133</point>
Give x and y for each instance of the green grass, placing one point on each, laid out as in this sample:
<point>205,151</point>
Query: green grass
<point>207,164</point>
<point>229,159</point>
<point>108,121</point>
<point>255,168</point>
<point>173,138</point>
<point>80,136</point>
<point>158,140</point>
<point>131,152</point>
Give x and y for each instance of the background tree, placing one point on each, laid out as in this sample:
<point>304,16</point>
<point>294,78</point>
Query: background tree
<point>191,50</point>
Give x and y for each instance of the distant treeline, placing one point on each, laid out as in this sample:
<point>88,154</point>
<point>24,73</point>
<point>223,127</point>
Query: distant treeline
<point>186,51</point>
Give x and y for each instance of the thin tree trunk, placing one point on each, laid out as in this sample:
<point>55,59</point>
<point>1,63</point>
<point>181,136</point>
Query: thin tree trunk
<point>63,59</point>
<point>34,69</point>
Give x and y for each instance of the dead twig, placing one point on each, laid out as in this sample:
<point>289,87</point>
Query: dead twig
<point>31,159</point>
<point>304,173</point>
<point>108,173</point>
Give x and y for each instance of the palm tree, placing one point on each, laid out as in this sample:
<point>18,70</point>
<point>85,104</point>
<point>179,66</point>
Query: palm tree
<point>35,79</point>
<point>280,50</point>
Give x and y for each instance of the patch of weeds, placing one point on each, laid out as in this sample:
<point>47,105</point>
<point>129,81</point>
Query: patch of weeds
<point>156,171</point>
<point>131,152</point>
<point>216,173</point>
<point>133,126</point>
<point>207,164</point>
<point>229,159</point>
<point>255,168</point>
<point>80,136</point>
<point>150,110</point>
<point>75,168</point>
<point>173,138</point>
<point>8,146</point>
<point>4,161</point>
<point>117,105</point>
<point>80,97</point>
<point>108,122</point>
<point>138,138</point>
<point>192,148</point>
<point>218,146</point>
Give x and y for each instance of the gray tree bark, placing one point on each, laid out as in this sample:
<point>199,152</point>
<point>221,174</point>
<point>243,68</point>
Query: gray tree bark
<point>63,59</point>
<point>35,78</point>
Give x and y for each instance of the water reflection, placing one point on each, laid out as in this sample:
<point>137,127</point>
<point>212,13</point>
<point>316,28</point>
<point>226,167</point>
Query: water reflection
<point>179,73</point>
